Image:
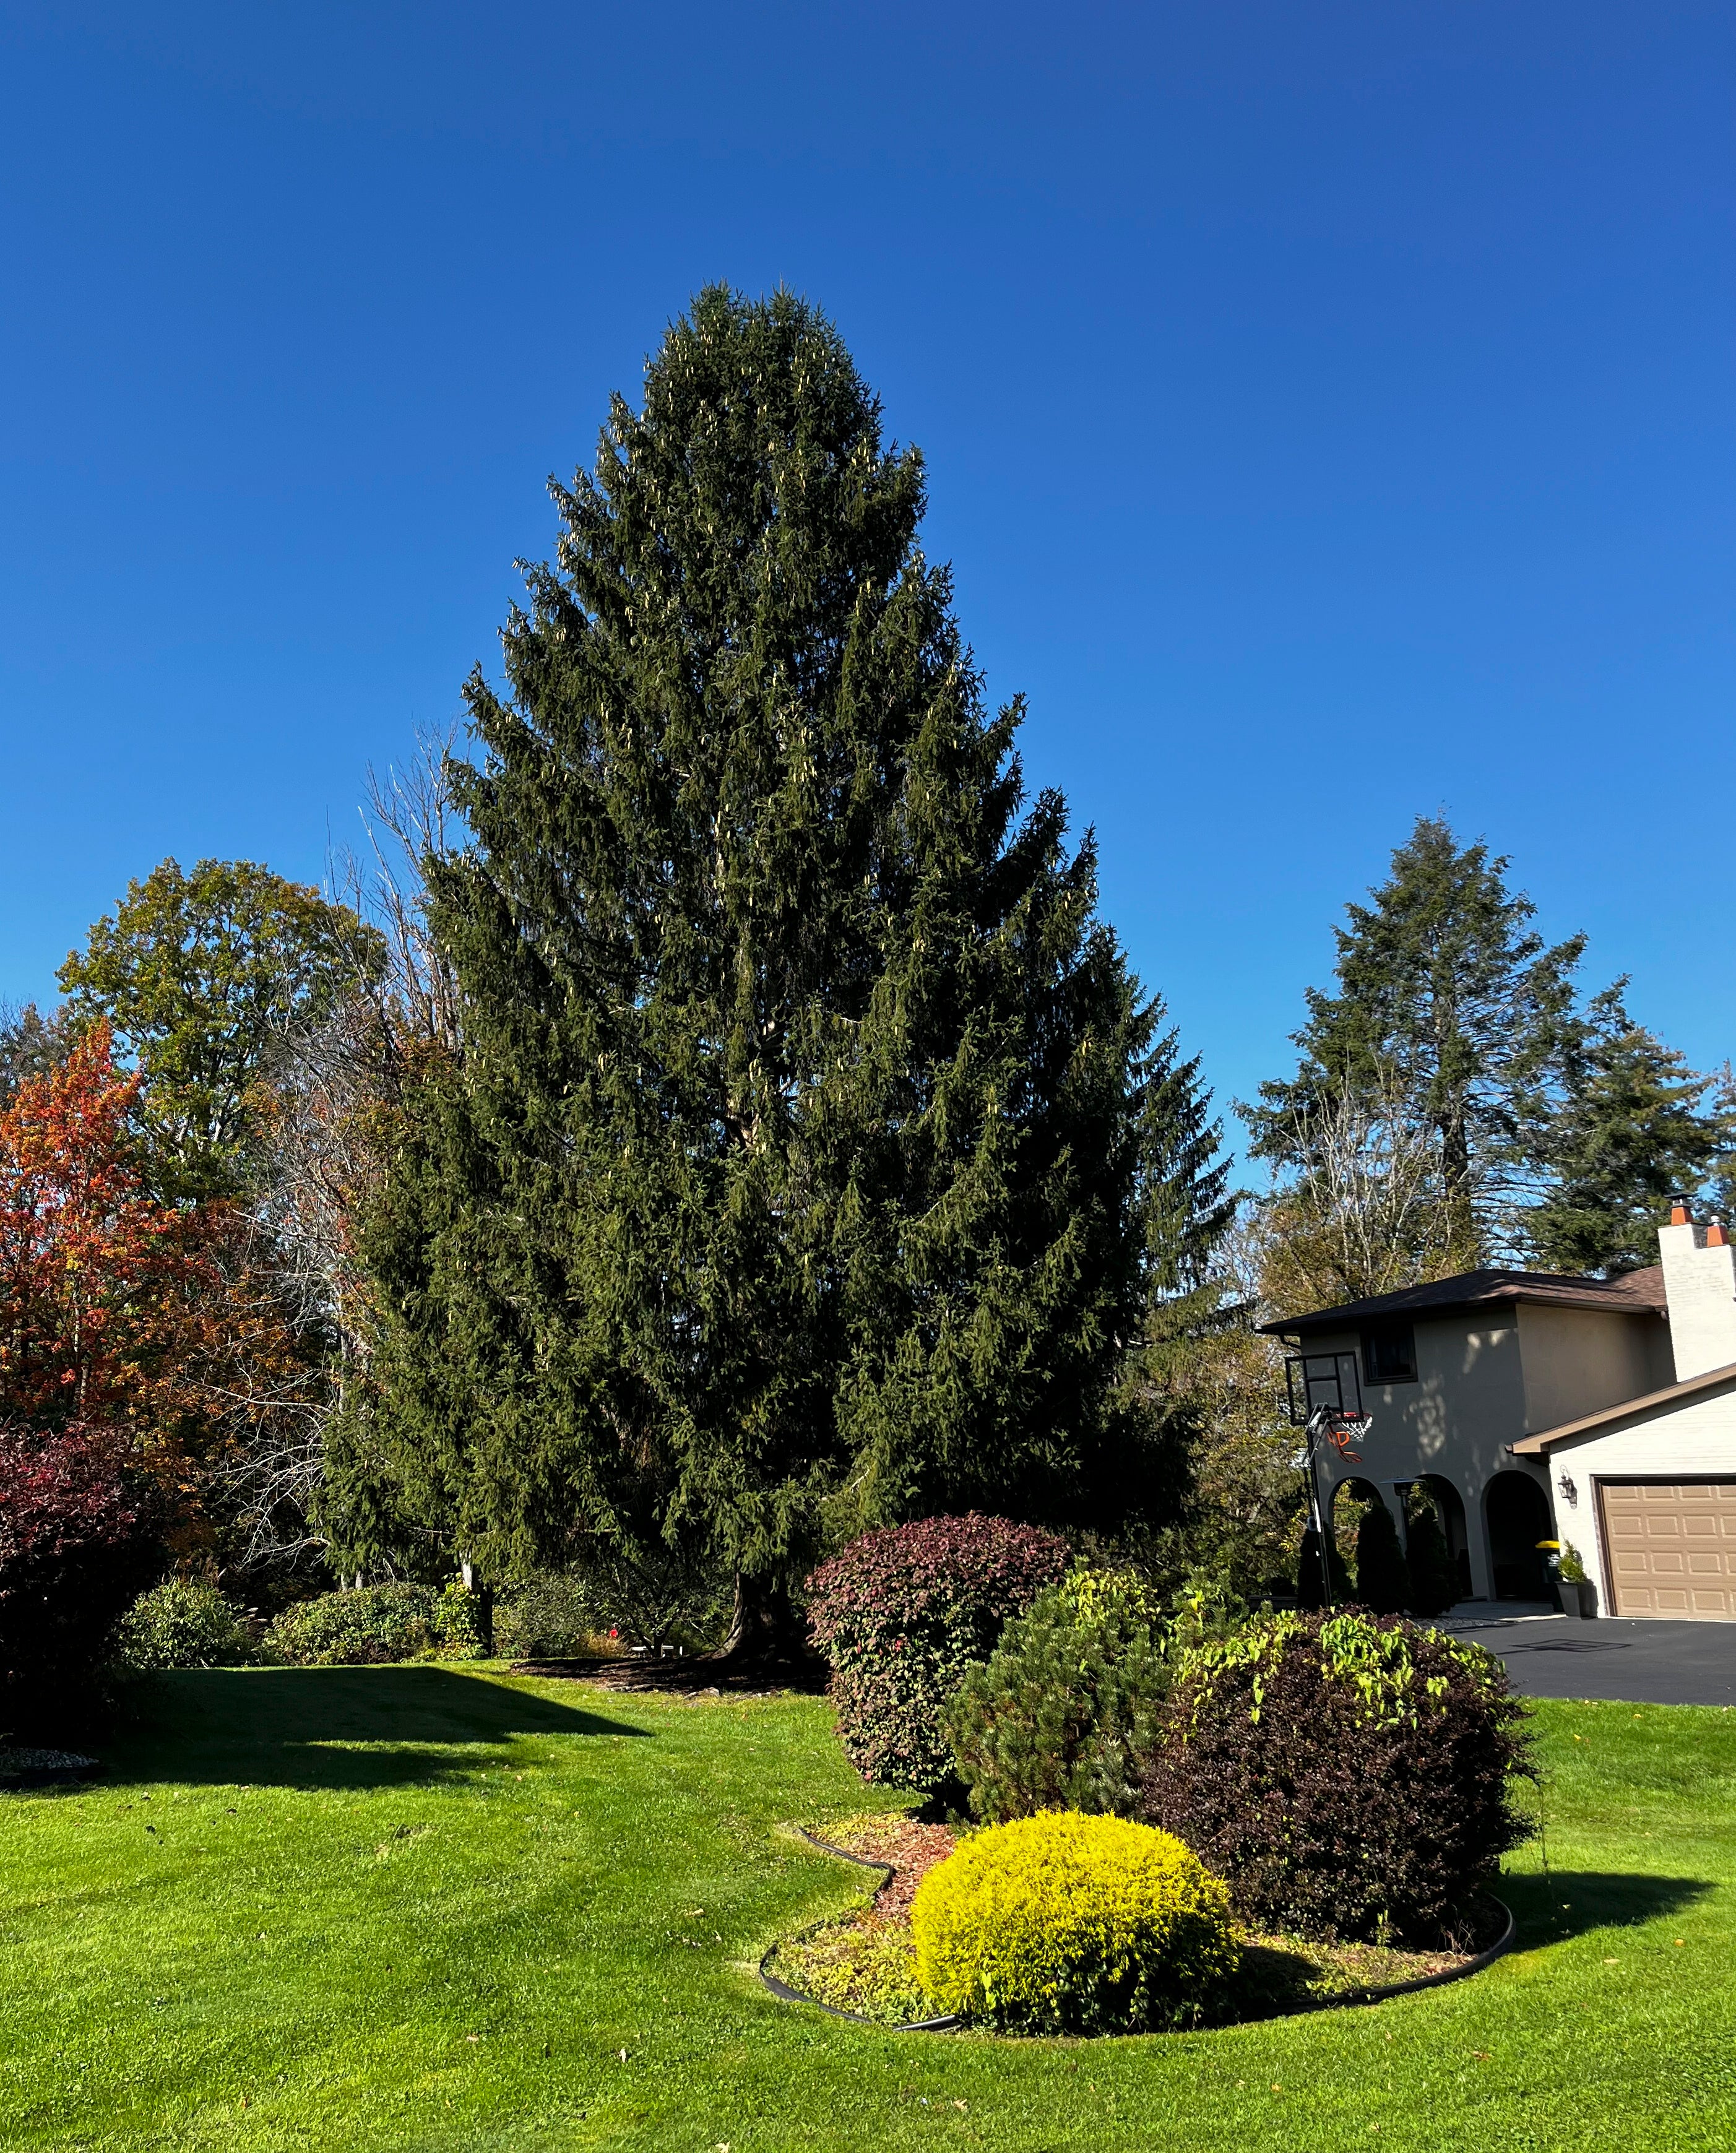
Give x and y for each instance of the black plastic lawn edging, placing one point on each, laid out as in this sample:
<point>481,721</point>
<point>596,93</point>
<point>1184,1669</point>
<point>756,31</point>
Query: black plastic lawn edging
<point>1499,1949</point>
<point>781,1989</point>
<point>786,1994</point>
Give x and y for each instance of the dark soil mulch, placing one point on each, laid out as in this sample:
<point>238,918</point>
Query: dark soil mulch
<point>866,1962</point>
<point>698,1677</point>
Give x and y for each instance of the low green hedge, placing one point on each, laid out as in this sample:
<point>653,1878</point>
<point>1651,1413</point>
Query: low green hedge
<point>377,1623</point>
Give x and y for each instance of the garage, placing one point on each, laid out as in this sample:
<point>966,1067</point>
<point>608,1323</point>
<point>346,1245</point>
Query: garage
<point>1670,1548</point>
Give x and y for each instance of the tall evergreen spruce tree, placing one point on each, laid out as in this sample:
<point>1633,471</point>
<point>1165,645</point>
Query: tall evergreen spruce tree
<point>811,1158</point>
<point>1630,1133</point>
<point>1453,1009</point>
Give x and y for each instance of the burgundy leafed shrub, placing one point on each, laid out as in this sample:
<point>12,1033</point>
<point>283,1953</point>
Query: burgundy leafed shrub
<point>78,1543</point>
<point>901,1614</point>
<point>1347,1776</point>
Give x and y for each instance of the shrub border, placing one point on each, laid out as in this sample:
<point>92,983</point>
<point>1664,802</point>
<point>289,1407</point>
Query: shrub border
<point>1351,1999</point>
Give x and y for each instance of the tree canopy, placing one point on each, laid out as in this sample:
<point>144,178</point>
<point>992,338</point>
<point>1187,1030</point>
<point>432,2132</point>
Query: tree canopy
<point>809,1156</point>
<point>1633,1132</point>
<point>198,975</point>
<point>1457,1103</point>
<point>1450,1012</point>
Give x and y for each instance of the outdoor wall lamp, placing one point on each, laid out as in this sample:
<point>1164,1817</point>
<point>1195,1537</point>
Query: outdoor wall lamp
<point>1570,1491</point>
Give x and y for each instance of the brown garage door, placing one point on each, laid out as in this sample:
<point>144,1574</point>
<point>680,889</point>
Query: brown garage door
<point>1672,1548</point>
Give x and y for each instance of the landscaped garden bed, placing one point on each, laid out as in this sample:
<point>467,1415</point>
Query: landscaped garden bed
<point>24,1767</point>
<point>295,1896</point>
<point>863,1963</point>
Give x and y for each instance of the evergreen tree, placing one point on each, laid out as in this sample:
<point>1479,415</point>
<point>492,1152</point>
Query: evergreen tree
<point>810,1158</point>
<point>1320,1584</point>
<point>1434,1576</point>
<point>1631,1134</point>
<point>1383,1581</point>
<point>1449,1008</point>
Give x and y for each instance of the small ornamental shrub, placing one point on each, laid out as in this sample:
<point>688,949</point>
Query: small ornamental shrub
<point>901,1614</point>
<point>78,1540</point>
<point>1383,1582</point>
<point>377,1624</point>
<point>1314,1576</point>
<point>1069,1924</point>
<point>1435,1578</point>
<point>549,1616</point>
<point>1348,1777</point>
<point>183,1622</point>
<point>1062,1712</point>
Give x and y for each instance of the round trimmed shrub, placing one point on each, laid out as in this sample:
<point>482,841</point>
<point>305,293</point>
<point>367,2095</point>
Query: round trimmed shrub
<point>1062,1712</point>
<point>901,1614</point>
<point>183,1622</point>
<point>1067,1924</point>
<point>1348,1777</point>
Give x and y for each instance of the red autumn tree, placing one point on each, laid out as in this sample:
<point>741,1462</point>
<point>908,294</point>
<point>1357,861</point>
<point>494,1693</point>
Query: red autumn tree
<point>95,1276</point>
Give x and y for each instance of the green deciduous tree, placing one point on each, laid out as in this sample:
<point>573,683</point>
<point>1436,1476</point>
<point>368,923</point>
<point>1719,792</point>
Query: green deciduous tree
<point>199,974</point>
<point>810,1158</point>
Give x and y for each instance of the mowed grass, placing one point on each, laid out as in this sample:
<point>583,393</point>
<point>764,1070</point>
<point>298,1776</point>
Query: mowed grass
<point>427,1906</point>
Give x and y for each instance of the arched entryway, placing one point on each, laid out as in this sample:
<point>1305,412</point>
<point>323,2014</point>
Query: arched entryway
<point>1349,1499</point>
<point>1449,1508</point>
<point>1516,1511</point>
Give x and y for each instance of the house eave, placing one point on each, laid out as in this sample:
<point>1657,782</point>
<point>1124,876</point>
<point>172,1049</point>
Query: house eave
<point>1610,1416</point>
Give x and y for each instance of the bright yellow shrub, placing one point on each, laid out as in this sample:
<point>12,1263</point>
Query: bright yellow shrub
<point>1065,1923</point>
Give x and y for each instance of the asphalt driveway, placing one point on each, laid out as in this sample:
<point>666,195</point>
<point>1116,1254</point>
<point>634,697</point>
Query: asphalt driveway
<point>1627,1662</point>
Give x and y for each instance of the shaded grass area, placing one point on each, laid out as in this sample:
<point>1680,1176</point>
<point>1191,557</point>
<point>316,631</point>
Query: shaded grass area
<point>430,1906</point>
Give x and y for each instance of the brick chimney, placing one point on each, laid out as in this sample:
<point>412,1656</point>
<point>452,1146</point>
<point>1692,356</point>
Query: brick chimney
<point>1699,1283</point>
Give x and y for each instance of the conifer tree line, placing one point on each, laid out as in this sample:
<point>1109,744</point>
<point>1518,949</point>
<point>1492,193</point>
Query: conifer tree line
<point>1459,1102</point>
<point>711,1116</point>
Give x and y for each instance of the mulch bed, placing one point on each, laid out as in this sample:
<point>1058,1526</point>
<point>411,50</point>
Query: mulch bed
<point>694,1679</point>
<point>865,1963</point>
<point>21,1767</point>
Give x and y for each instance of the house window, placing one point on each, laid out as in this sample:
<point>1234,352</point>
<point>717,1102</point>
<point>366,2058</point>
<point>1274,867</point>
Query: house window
<point>1389,1353</point>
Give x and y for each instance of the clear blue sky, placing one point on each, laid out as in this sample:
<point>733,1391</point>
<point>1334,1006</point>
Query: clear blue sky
<point>1328,410</point>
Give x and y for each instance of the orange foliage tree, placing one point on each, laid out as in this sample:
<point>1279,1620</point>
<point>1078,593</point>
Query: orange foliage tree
<point>97,1278</point>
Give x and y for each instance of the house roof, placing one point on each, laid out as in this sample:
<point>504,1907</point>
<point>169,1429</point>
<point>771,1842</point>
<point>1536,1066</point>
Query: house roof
<point>1535,1446</point>
<point>1636,1294</point>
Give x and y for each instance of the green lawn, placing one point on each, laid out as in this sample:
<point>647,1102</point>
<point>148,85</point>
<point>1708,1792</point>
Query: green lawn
<point>426,1907</point>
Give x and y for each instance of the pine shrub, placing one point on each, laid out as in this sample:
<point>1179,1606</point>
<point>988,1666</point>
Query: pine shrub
<point>1347,1776</point>
<point>1059,1714</point>
<point>1067,1924</point>
<point>901,1614</point>
<point>183,1622</point>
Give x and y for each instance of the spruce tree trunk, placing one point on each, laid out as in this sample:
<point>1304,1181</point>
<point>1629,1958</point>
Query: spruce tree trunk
<point>765,1628</point>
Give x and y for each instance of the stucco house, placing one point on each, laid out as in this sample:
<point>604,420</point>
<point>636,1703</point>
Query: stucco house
<point>1533,1405</point>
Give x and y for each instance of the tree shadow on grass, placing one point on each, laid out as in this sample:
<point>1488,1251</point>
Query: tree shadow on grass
<point>1571,1902</point>
<point>334,1726</point>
